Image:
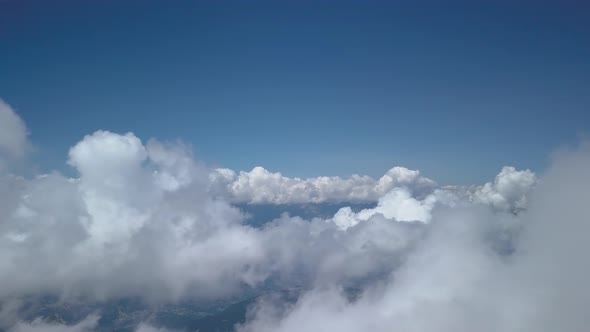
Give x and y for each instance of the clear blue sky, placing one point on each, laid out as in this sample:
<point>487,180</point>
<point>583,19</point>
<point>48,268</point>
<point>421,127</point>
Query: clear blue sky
<point>306,88</point>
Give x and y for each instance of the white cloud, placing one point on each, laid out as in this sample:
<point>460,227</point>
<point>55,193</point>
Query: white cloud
<point>143,220</point>
<point>453,279</point>
<point>13,136</point>
<point>508,191</point>
<point>261,186</point>
<point>148,220</point>
<point>118,230</point>
<point>318,252</point>
<point>399,205</point>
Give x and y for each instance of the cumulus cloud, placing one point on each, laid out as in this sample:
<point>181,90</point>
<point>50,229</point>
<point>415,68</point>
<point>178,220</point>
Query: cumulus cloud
<point>318,252</point>
<point>454,280</point>
<point>399,205</point>
<point>262,186</point>
<point>144,219</point>
<point>508,191</point>
<point>140,220</point>
<point>119,229</point>
<point>148,220</point>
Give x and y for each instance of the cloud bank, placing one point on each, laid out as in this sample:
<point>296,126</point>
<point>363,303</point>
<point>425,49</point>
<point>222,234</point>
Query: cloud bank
<point>148,220</point>
<point>455,281</point>
<point>262,186</point>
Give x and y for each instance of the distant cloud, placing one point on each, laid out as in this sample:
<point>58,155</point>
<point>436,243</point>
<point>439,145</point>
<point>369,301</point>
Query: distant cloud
<point>397,204</point>
<point>261,186</point>
<point>508,191</point>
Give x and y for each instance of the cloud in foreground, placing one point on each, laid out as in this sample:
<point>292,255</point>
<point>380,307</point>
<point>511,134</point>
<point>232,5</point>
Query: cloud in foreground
<point>454,281</point>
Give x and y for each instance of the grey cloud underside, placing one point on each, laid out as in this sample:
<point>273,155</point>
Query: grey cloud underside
<point>147,220</point>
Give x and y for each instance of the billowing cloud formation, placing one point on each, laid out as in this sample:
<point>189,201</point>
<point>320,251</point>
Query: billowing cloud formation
<point>120,229</point>
<point>399,205</point>
<point>262,186</point>
<point>508,191</point>
<point>455,281</point>
<point>140,220</point>
<point>148,220</point>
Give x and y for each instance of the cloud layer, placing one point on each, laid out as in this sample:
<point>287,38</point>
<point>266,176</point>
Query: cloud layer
<point>455,281</point>
<point>148,220</point>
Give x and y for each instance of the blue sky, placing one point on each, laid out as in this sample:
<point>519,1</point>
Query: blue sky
<point>325,88</point>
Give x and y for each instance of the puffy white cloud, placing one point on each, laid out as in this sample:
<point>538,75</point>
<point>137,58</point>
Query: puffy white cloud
<point>148,220</point>
<point>405,178</point>
<point>145,219</point>
<point>399,205</point>
<point>262,186</point>
<point>508,191</point>
<point>104,153</point>
<point>119,230</point>
<point>454,280</point>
